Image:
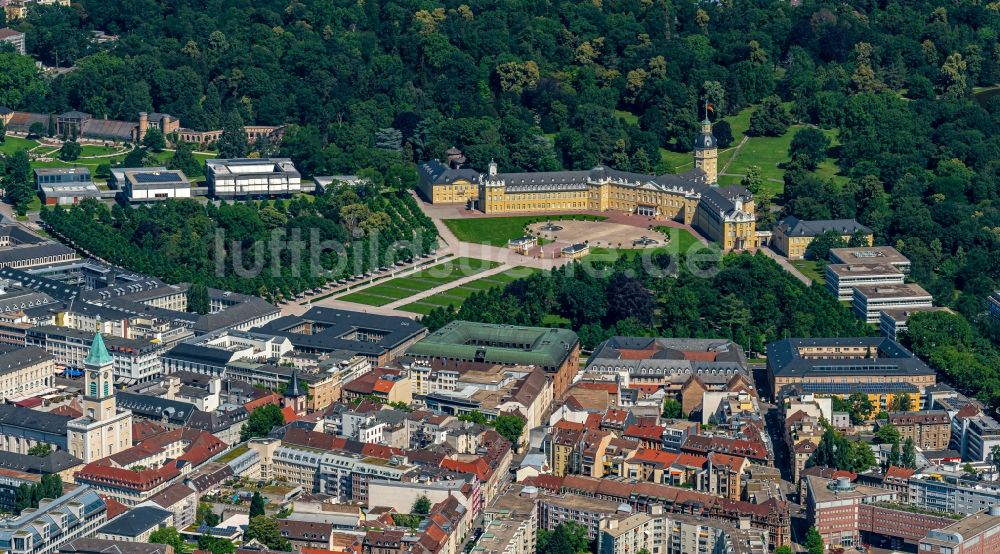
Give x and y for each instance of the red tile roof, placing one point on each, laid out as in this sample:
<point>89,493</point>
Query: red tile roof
<point>32,402</point>
<point>115,508</point>
<point>650,456</point>
<point>546,482</point>
<point>616,416</point>
<point>610,388</point>
<point>479,468</point>
<point>67,410</point>
<point>380,451</point>
<point>289,414</point>
<point>969,410</point>
<point>313,439</point>
<point>568,425</point>
<point>896,472</point>
<point>271,398</point>
<point>733,462</point>
<point>705,444</point>
<point>144,480</point>
<point>652,433</point>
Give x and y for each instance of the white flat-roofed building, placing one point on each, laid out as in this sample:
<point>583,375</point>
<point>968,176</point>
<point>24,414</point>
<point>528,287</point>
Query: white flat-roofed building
<point>150,183</point>
<point>870,300</point>
<point>252,177</point>
<point>842,278</point>
<point>870,255</point>
<point>13,38</point>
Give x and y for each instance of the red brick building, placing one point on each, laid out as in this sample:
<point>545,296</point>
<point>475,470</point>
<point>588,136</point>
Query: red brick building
<point>975,534</point>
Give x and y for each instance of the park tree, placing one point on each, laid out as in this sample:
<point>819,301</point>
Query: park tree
<point>69,151</point>
<point>17,181</point>
<point>753,181</point>
<point>894,454</point>
<point>909,458</point>
<point>266,531</point>
<point>819,248</point>
<point>216,545</point>
<point>41,450</point>
<point>36,129</point>
<point>168,536</point>
<point>21,81</point>
<point>672,409</point>
<point>197,297</point>
<point>769,119</point>
<point>509,427</point>
<point>566,538</point>
<point>261,421</point>
<point>421,506</point>
<point>3,132</point>
<point>901,403</point>
<point>233,142</point>
<point>154,140</point>
<point>814,542</point>
<point>861,407</point>
<point>184,160</point>
<point>139,156</point>
<point>887,434</point>
<point>256,505</point>
<point>723,132</point>
<point>809,146</point>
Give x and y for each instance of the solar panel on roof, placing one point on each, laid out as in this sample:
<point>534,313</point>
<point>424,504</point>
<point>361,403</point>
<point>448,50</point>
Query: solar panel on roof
<point>156,178</point>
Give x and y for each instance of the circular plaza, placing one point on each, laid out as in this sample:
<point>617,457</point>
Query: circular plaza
<point>601,234</point>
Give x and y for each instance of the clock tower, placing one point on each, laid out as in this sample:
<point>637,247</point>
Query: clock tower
<point>103,429</point>
<point>706,153</point>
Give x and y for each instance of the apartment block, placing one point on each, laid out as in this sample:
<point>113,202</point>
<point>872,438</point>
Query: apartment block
<point>953,493</point>
<point>929,429</point>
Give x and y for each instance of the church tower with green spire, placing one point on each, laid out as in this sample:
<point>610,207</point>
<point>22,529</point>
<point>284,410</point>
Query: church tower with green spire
<point>103,429</point>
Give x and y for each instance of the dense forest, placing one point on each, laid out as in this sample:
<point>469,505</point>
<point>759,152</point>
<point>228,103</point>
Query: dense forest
<point>541,85</point>
<point>243,246</point>
<point>381,84</point>
<point>633,297</point>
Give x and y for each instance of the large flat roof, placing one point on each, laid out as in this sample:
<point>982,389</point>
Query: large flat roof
<point>863,270</point>
<point>252,166</point>
<point>508,344</point>
<point>904,290</point>
<point>868,254</point>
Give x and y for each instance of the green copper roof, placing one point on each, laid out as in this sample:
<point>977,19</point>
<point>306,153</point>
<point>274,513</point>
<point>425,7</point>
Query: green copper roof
<point>499,344</point>
<point>98,356</point>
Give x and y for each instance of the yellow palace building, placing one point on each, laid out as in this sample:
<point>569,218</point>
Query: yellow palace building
<point>725,215</point>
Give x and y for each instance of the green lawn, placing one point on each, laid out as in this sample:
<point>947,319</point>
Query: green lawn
<point>13,144</point>
<point>769,153</point>
<point>457,295</point>
<point>740,123</point>
<point>496,231</point>
<point>89,150</point>
<point>627,117</point>
<point>813,269</point>
<point>425,279</point>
